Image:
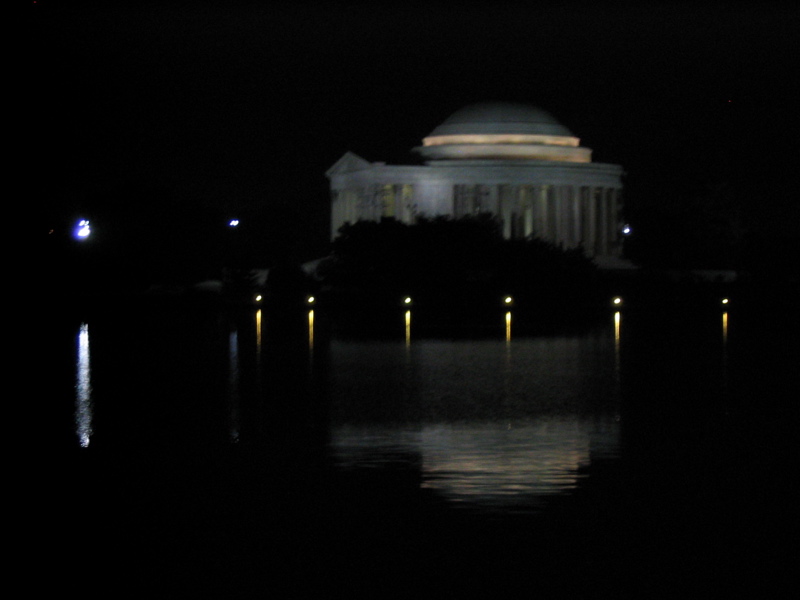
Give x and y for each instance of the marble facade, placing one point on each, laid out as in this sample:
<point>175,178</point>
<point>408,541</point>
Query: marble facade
<point>513,161</point>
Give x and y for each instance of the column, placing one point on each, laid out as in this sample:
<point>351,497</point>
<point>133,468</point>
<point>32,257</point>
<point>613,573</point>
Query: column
<point>493,199</point>
<point>603,223</point>
<point>552,214</point>
<point>560,216</point>
<point>576,215</point>
<point>517,212</point>
<point>506,212</point>
<point>615,221</point>
<point>544,216</point>
<point>526,207</point>
<point>591,222</point>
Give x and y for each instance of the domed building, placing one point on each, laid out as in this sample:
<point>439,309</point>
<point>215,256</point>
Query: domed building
<point>514,161</point>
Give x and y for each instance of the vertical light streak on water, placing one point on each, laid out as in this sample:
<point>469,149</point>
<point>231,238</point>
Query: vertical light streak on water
<point>508,364</point>
<point>311,330</point>
<point>617,335</point>
<point>258,333</point>
<point>233,385</point>
<point>83,388</point>
<point>408,327</point>
<point>310,341</point>
<point>725,353</point>
<point>725,327</point>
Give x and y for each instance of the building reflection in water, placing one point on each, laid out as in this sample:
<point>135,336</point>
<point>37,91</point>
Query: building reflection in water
<point>486,465</point>
<point>489,424</point>
<point>83,387</point>
<point>514,464</point>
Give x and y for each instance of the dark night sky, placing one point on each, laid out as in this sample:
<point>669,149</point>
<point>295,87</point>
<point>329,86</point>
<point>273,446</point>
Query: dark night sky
<point>233,103</point>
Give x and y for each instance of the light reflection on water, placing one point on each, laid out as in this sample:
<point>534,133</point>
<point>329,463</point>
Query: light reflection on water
<point>486,421</point>
<point>525,426</point>
<point>487,465</point>
<point>83,387</point>
<point>489,423</point>
<point>311,331</point>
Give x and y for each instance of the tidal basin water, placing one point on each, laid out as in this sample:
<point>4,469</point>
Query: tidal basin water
<point>223,452</point>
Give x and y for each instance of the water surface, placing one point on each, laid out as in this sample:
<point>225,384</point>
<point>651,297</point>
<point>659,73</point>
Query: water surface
<point>196,443</point>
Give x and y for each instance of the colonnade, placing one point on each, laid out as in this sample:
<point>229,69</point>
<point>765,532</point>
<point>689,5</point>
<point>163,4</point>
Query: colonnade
<point>571,216</point>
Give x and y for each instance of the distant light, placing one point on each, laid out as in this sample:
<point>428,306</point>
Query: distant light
<point>725,300</point>
<point>258,298</point>
<point>82,229</point>
<point>626,230</point>
<point>407,300</point>
<point>234,223</point>
<point>508,300</point>
<point>617,301</point>
<point>311,300</point>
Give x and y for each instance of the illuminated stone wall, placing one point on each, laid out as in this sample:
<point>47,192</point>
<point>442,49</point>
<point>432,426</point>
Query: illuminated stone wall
<point>579,207</point>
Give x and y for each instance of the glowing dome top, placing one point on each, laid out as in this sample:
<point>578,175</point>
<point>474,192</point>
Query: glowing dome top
<point>499,118</point>
<point>503,131</point>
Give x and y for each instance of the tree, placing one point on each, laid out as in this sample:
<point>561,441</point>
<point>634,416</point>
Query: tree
<point>445,258</point>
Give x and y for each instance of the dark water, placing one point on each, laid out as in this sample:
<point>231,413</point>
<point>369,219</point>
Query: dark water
<point>203,452</point>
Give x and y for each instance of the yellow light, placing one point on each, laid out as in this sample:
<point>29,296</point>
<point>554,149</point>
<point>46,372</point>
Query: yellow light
<point>258,329</point>
<point>504,138</point>
<point>258,298</point>
<point>508,326</point>
<point>617,323</point>
<point>311,299</point>
<point>617,301</point>
<point>725,300</point>
<point>408,325</point>
<point>407,300</point>
<point>508,300</point>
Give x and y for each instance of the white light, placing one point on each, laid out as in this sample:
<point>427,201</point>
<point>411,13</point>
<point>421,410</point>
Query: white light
<point>83,230</point>
<point>407,300</point>
<point>627,230</point>
<point>311,299</point>
<point>508,300</point>
<point>617,301</point>
<point>234,223</point>
<point>83,387</point>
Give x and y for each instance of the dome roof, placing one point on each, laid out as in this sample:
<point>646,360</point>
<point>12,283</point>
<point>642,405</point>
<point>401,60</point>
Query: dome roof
<point>501,118</point>
<point>502,131</point>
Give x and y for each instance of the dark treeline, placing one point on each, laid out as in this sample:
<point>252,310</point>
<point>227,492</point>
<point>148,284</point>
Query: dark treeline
<point>735,219</point>
<point>455,263</point>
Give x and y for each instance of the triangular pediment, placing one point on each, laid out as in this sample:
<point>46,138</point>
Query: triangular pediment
<point>347,164</point>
